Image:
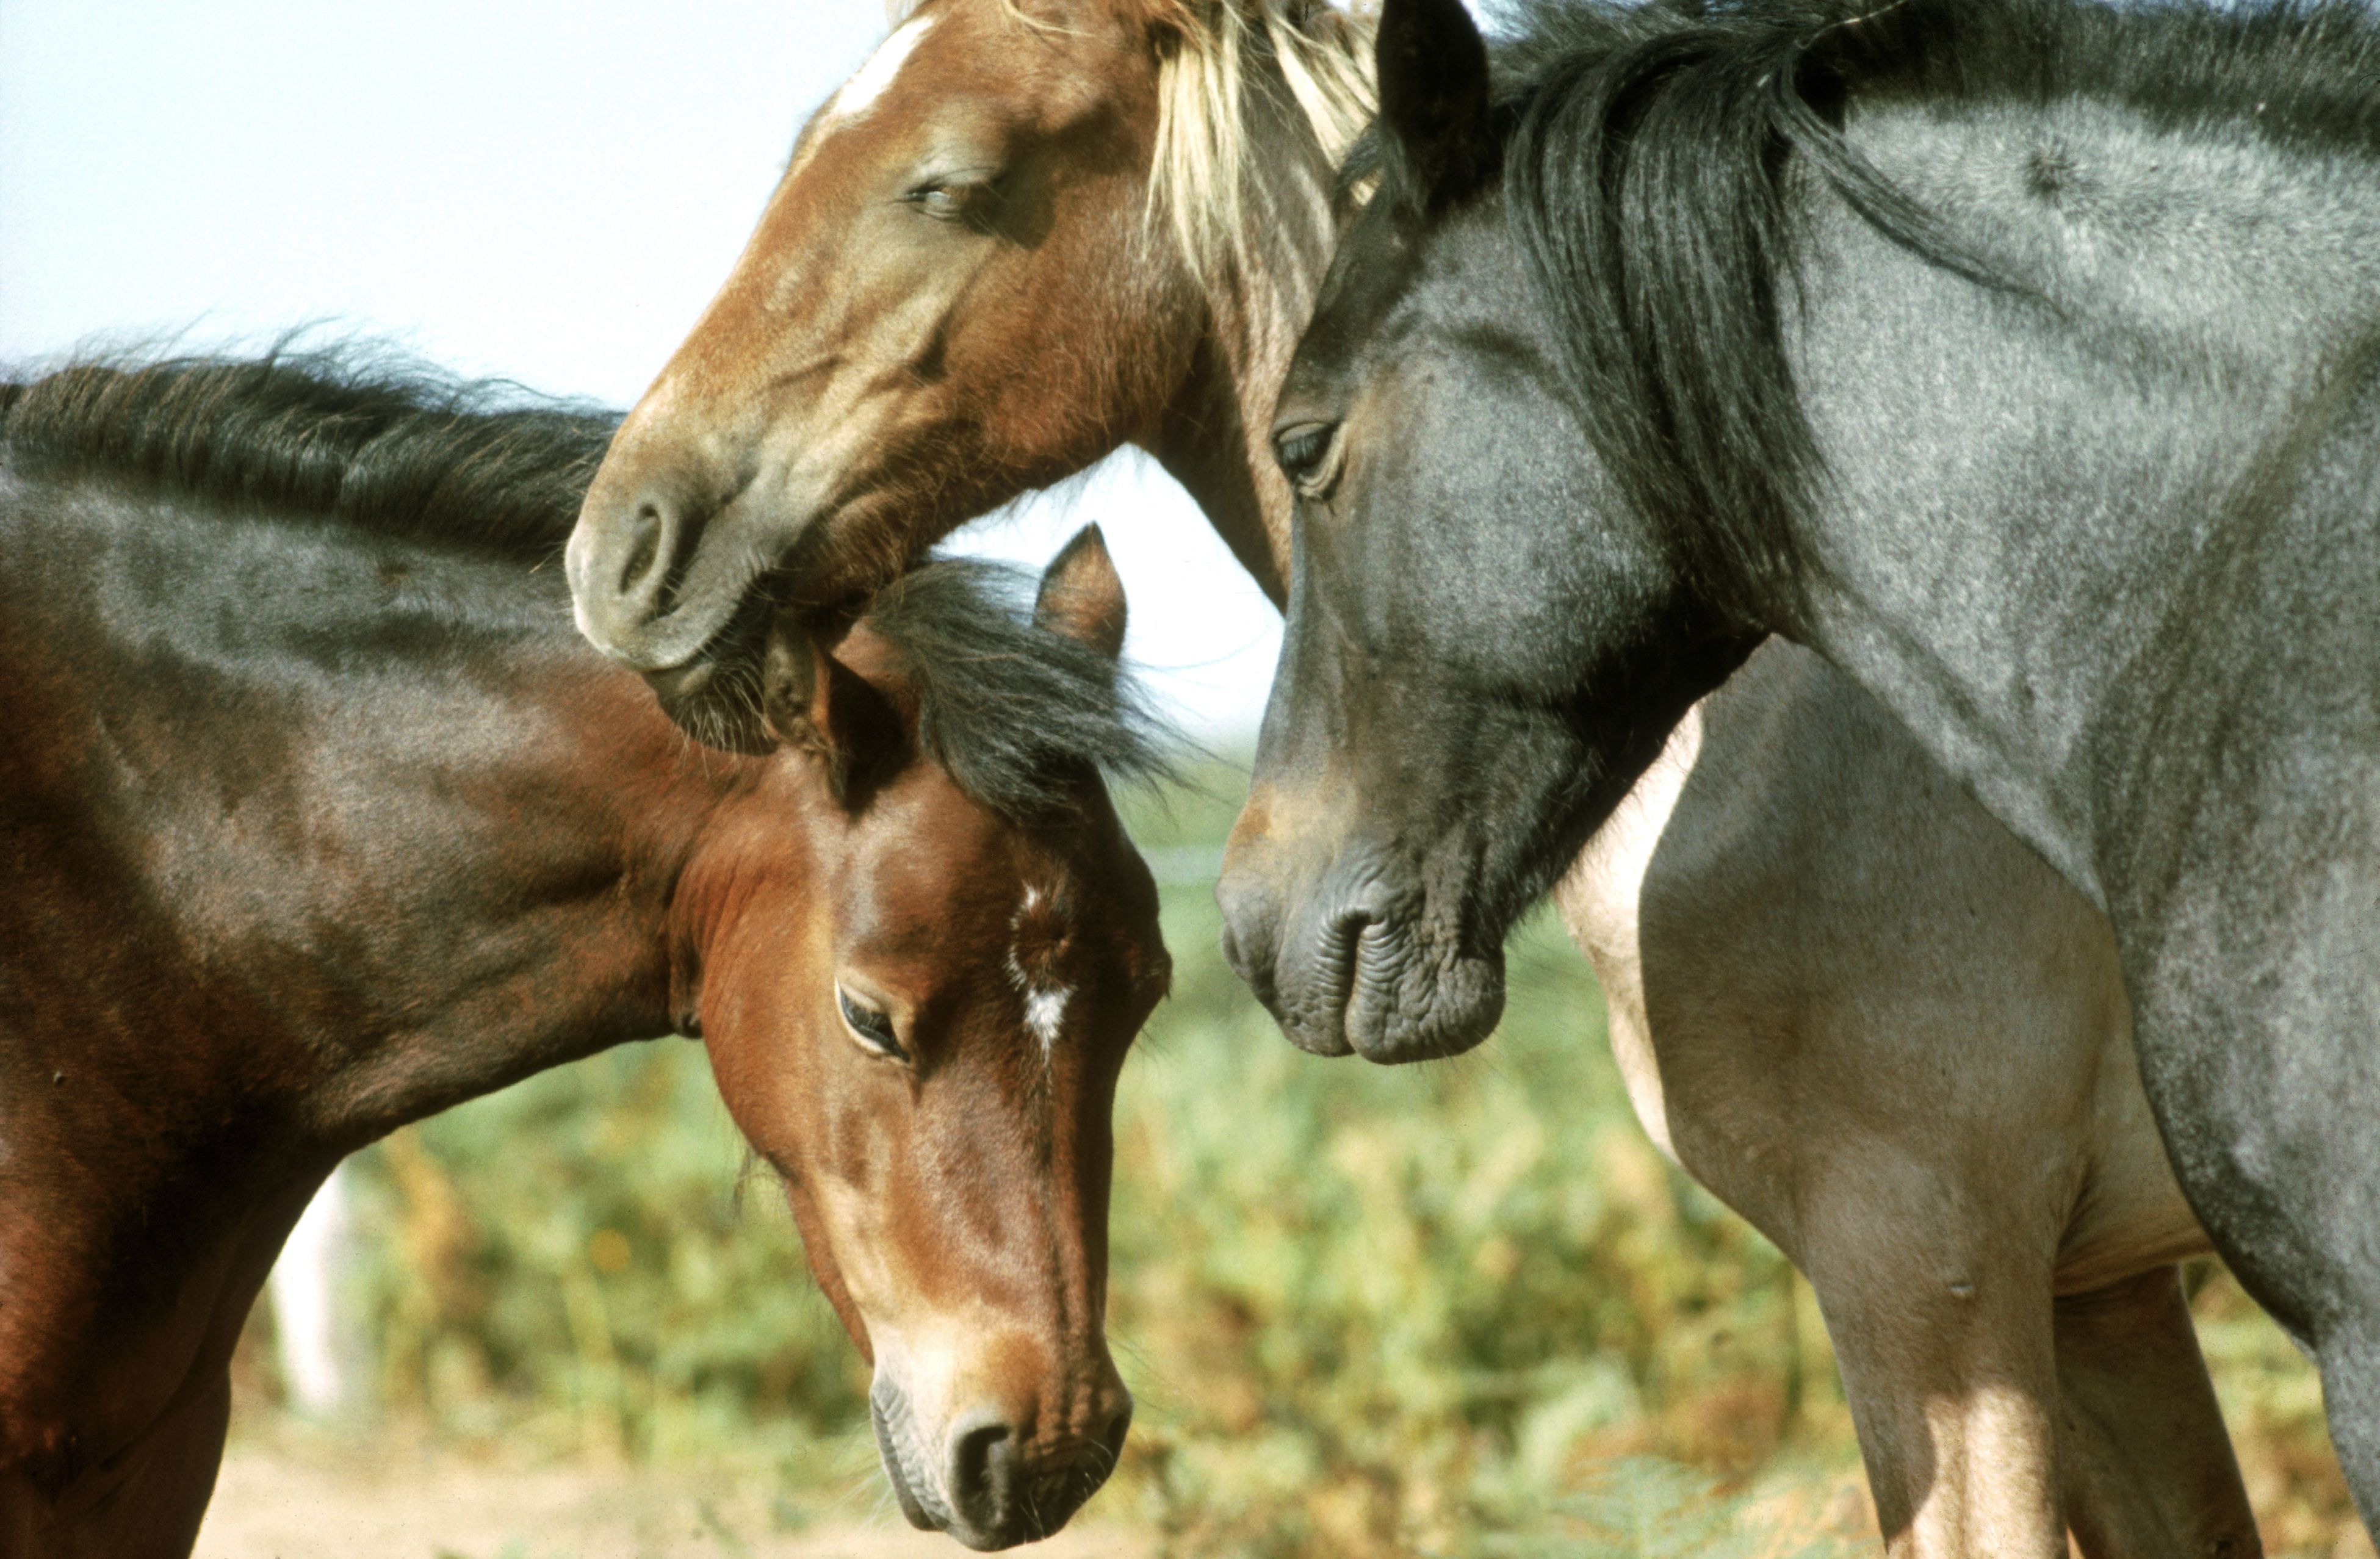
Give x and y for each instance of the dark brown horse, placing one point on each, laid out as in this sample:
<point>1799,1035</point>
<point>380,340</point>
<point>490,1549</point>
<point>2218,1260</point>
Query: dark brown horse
<point>319,819</point>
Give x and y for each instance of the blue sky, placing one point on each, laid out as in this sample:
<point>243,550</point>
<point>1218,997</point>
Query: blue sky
<point>545,192</point>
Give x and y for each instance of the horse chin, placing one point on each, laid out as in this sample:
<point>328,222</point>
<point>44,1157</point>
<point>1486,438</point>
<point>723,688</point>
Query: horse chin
<point>1413,998</point>
<point>715,696</point>
<point>888,1411</point>
<point>1389,990</point>
<point>709,703</point>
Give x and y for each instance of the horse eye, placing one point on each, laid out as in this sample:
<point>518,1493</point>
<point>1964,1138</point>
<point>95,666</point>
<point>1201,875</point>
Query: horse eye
<point>1304,452</point>
<point>949,202</point>
<point>869,1025</point>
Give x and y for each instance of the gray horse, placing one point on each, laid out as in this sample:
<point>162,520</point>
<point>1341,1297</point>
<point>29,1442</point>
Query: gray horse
<point>2019,359</point>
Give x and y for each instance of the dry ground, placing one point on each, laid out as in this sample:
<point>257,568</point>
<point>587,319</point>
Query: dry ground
<point>280,1502</point>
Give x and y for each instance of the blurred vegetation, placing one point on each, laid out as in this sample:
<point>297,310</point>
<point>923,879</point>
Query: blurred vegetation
<point>1458,1309</point>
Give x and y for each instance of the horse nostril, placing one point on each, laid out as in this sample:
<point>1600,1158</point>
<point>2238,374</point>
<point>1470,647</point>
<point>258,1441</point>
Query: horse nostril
<point>984,1463</point>
<point>1111,1441</point>
<point>1345,938</point>
<point>629,560</point>
<point>646,532</point>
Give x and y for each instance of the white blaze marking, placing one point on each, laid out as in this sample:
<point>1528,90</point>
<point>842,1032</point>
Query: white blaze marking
<point>1045,1014</point>
<point>868,83</point>
<point>1045,1006</point>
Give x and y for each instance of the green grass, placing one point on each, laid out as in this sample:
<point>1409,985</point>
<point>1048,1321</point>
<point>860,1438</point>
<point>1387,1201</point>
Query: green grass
<point>1458,1309</point>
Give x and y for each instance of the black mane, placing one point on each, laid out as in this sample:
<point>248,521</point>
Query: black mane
<point>1645,151</point>
<point>1013,712</point>
<point>344,433</point>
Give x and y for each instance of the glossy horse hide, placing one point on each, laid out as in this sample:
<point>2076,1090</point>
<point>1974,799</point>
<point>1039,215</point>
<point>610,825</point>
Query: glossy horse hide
<point>2020,360</point>
<point>321,819</point>
<point>1026,232</point>
<point>1844,998</point>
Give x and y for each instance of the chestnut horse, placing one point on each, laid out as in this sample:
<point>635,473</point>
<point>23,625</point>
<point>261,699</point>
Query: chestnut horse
<point>1842,995</point>
<point>1021,236</point>
<point>321,819</point>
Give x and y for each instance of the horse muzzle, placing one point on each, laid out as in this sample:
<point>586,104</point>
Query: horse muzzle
<point>983,1478</point>
<point>1352,964</point>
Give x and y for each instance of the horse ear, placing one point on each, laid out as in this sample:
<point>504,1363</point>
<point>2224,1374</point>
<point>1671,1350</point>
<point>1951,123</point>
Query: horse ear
<point>1433,76</point>
<point>817,704</point>
<point>1082,595</point>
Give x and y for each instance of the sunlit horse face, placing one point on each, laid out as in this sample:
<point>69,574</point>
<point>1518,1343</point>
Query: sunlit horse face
<point>1478,658</point>
<point>919,1021</point>
<point>921,328</point>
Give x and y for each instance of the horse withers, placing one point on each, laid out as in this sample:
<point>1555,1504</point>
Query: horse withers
<point>321,819</point>
<point>2021,360</point>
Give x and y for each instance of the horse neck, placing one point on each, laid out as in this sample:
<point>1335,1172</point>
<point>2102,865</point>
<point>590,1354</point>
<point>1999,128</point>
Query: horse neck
<point>607,807</point>
<point>2037,610</point>
<point>313,833</point>
<point>396,835</point>
<point>1252,301</point>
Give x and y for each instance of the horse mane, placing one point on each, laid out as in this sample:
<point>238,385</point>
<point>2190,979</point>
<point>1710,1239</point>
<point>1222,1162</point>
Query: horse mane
<point>1647,153</point>
<point>358,436</point>
<point>1013,712</point>
<point>1215,98</point>
<point>350,433</point>
<point>1211,97</point>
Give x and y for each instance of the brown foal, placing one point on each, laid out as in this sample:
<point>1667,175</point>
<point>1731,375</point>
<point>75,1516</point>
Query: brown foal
<point>320,818</point>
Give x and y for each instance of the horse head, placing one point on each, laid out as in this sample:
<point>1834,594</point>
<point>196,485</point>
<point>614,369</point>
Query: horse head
<point>916,1004</point>
<point>1005,246</point>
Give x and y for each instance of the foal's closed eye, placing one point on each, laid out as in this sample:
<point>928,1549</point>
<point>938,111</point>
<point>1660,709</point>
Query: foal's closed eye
<point>872,1026</point>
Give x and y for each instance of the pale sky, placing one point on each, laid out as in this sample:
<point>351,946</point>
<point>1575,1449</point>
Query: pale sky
<point>547,191</point>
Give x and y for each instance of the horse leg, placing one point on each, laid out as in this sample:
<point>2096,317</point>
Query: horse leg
<point>2256,1027</point>
<point>1950,1368</point>
<point>2349,1357</point>
<point>2147,1466</point>
<point>152,1502</point>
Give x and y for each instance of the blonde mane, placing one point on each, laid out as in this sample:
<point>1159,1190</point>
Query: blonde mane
<point>1198,183</point>
<point>1202,184</point>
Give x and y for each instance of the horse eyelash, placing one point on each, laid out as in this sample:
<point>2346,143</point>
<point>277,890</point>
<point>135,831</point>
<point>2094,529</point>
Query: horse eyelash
<point>962,185</point>
<point>884,1043</point>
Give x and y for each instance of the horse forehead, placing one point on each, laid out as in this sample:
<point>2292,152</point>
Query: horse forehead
<point>980,61</point>
<point>863,97</point>
<point>1039,928</point>
<point>943,863</point>
<point>1376,267</point>
<point>856,96</point>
